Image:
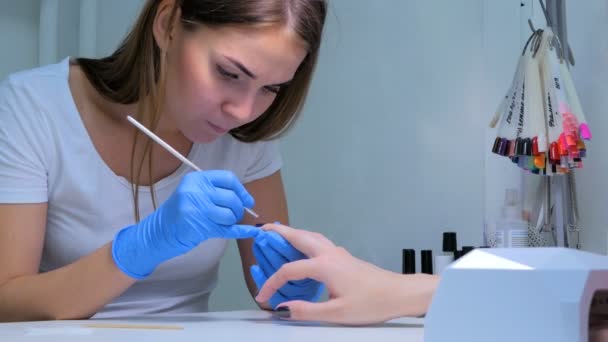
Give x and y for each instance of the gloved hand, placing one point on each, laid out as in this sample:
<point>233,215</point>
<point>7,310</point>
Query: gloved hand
<point>205,205</point>
<point>271,251</point>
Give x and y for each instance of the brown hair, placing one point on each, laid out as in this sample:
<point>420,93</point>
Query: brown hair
<point>134,73</point>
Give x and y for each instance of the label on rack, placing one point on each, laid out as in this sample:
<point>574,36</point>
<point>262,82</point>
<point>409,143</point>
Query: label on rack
<point>500,239</point>
<point>518,238</point>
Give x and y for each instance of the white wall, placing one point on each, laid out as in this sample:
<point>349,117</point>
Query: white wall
<point>19,23</point>
<point>587,29</point>
<point>18,35</point>
<point>114,19</point>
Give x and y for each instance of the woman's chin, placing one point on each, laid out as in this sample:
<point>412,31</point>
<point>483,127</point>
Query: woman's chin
<point>203,138</point>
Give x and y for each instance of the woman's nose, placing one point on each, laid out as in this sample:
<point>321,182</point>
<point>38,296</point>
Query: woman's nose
<point>240,109</point>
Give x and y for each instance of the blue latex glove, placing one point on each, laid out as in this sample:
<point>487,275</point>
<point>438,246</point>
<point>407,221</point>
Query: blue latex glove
<point>271,251</point>
<point>205,205</point>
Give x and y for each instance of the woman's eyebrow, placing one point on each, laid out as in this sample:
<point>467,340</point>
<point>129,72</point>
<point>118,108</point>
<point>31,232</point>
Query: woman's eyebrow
<point>241,67</point>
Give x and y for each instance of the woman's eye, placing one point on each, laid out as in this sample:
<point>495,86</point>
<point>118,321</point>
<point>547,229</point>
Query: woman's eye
<point>272,90</point>
<point>227,74</point>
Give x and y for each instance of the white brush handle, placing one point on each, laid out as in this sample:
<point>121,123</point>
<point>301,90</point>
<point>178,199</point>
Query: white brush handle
<point>173,151</point>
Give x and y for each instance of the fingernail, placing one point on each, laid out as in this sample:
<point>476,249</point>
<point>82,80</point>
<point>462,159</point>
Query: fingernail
<point>259,224</point>
<point>282,312</point>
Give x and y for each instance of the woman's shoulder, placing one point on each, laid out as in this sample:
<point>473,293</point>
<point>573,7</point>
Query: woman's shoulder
<point>35,98</point>
<point>45,79</point>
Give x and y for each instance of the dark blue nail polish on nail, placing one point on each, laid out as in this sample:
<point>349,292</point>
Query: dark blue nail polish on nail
<point>282,312</point>
<point>259,224</point>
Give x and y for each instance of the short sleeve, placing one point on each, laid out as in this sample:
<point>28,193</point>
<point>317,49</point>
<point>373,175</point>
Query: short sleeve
<point>266,160</point>
<point>23,144</point>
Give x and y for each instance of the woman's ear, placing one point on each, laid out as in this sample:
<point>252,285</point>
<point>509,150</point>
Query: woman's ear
<point>164,25</point>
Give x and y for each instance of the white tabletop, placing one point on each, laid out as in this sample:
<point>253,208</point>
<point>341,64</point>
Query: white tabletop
<point>213,326</point>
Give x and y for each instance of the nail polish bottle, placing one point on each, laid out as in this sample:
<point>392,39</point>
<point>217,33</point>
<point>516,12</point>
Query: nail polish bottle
<point>450,245</point>
<point>449,248</point>
<point>408,262</point>
<point>467,249</point>
<point>426,261</point>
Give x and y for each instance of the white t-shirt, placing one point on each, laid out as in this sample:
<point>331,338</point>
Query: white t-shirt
<point>46,155</point>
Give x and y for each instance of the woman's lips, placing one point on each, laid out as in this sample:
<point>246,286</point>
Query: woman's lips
<point>216,128</point>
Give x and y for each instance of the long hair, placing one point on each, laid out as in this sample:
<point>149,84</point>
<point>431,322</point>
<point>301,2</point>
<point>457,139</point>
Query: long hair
<point>134,73</point>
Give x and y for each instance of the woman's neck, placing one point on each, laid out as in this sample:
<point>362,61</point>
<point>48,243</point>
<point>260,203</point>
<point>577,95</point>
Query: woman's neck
<point>118,112</point>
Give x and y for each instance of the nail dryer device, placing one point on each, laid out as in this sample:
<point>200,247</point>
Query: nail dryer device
<point>518,294</point>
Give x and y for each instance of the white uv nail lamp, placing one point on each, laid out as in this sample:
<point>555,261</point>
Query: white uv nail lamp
<point>518,295</point>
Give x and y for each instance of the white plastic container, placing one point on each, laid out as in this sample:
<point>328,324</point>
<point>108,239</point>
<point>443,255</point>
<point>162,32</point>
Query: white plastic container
<point>511,229</point>
<point>442,262</point>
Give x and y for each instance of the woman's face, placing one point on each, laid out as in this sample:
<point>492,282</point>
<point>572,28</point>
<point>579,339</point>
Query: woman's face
<point>222,78</point>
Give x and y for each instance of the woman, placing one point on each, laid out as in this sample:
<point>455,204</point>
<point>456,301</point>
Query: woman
<point>96,219</point>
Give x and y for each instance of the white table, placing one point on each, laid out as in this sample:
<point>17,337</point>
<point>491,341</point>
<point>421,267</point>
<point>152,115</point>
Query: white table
<point>244,326</point>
